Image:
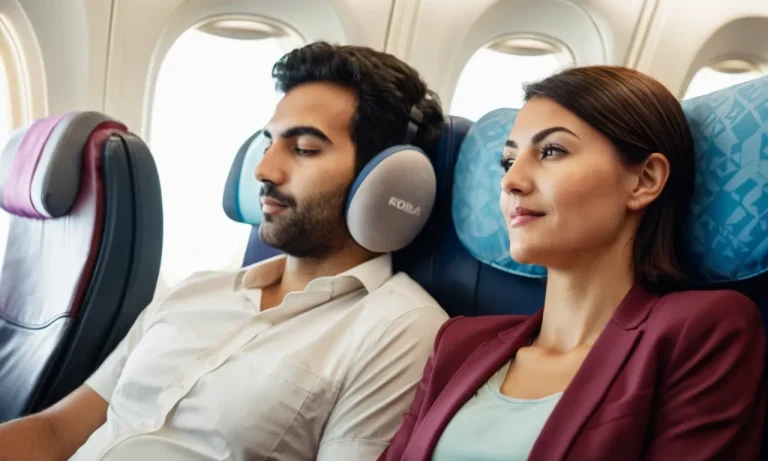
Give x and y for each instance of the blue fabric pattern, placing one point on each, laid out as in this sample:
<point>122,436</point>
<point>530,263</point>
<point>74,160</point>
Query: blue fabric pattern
<point>476,213</point>
<point>728,222</point>
<point>729,214</point>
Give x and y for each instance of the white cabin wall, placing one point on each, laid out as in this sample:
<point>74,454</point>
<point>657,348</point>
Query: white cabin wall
<point>65,43</point>
<point>366,22</point>
<point>144,30</point>
<point>680,29</point>
<point>71,36</point>
<point>621,25</point>
<point>438,37</point>
<point>668,39</point>
<point>24,64</point>
<point>99,19</point>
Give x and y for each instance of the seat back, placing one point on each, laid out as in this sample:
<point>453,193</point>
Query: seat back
<point>728,222</point>
<point>82,256</point>
<point>727,245</point>
<point>415,259</point>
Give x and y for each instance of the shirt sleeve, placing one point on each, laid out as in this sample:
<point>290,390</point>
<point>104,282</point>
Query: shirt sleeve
<point>402,437</point>
<point>105,378</point>
<point>379,388</point>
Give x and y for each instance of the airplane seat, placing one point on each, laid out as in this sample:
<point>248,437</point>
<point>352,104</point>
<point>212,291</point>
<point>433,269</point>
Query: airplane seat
<point>416,259</point>
<point>728,223</point>
<point>728,228</point>
<point>82,255</point>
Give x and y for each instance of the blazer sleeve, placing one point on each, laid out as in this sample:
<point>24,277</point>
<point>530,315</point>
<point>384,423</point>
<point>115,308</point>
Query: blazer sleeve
<point>712,400</point>
<point>402,437</point>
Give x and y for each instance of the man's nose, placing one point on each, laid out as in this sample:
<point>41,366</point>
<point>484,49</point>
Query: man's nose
<point>272,168</point>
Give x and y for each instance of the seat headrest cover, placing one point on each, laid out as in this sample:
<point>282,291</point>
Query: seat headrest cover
<point>242,190</point>
<point>728,221</point>
<point>40,166</point>
<point>7,157</point>
<point>477,216</point>
<point>728,224</point>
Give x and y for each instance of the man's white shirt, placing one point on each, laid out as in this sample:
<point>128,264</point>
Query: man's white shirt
<point>204,374</point>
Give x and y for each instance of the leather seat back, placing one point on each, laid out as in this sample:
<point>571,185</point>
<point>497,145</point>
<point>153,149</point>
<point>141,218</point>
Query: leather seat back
<point>82,256</point>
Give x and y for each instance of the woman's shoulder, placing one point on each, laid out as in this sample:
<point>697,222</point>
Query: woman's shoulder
<point>477,329</point>
<point>706,333</point>
<point>707,310</point>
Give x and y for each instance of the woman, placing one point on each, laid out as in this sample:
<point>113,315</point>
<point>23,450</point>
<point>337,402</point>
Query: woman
<point>598,178</point>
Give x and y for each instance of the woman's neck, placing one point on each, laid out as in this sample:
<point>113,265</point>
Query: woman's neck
<point>580,302</point>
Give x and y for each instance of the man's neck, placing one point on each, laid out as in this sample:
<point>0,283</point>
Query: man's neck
<point>299,272</point>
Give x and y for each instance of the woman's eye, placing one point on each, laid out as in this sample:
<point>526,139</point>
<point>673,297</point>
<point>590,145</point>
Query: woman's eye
<point>506,163</point>
<point>552,150</point>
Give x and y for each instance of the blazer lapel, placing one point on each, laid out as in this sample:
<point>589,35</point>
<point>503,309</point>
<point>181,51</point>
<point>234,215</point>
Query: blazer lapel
<point>476,370</point>
<point>594,378</point>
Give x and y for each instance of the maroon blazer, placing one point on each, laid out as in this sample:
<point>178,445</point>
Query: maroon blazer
<point>676,378</point>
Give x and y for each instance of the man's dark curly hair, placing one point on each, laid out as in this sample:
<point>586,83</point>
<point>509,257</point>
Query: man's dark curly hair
<point>386,89</point>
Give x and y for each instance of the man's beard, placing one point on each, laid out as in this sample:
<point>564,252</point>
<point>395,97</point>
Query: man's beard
<point>313,229</point>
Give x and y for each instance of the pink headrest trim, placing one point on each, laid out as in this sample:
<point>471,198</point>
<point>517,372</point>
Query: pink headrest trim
<point>16,195</point>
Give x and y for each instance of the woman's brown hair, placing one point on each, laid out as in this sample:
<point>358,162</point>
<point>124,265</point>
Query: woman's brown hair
<point>639,116</point>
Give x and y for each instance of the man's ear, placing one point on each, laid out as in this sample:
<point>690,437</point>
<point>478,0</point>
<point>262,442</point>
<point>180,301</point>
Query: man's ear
<point>652,176</point>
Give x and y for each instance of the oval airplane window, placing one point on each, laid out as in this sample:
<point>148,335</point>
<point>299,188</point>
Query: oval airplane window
<point>494,76</point>
<point>722,75</point>
<point>214,89</point>
<point>5,133</point>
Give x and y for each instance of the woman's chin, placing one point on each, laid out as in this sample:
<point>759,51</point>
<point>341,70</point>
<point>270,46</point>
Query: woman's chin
<point>524,256</point>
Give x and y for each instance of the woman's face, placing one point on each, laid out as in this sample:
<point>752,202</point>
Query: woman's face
<point>566,195</point>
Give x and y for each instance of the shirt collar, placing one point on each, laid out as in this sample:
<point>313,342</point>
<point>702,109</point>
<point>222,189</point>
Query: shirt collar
<point>261,274</point>
<point>372,273</point>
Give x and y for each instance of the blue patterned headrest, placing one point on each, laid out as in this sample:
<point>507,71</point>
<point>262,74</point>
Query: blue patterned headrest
<point>729,213</point>
<point>728,225</point>
<point>476,213</point>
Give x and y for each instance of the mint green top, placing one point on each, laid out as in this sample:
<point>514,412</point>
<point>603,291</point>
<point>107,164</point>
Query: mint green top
<point>492,426</point>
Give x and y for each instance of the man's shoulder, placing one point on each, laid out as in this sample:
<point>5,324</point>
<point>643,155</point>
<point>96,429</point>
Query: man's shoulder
<point>227,276</point>
<point>198,286</point>
<point>402,295</point>
<point>402,303</point>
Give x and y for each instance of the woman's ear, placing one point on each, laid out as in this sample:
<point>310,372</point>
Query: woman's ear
<point>652,176</point>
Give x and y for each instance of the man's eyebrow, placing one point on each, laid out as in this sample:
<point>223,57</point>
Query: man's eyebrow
<point>297,131</point>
